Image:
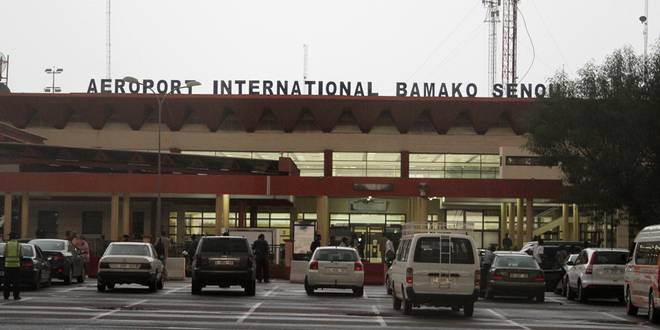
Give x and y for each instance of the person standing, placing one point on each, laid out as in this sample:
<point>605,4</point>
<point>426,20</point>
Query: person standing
<point>389,251</point>
<point>507,243</point>
<point>162,247</point>
<point>315,244</point>
<point>261,252</point>
<point>81,244</point>
<point>538,252</point>
<point>13,256</point>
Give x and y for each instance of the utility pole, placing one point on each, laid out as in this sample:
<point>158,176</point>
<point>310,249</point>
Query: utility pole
<point>492,18</point>
<point>305,59</point>
<point>645,32</point>
<point>509,41</point>
<point>108,73</point>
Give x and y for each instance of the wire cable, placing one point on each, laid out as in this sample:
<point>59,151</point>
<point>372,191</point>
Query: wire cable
<point>531,42</point>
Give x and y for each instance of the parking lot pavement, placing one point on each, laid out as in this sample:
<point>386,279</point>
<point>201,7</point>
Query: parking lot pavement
<point>283,305</point>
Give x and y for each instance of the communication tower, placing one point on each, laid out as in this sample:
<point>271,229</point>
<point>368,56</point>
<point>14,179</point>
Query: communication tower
<point>492,18</point>
<point>509,41</point>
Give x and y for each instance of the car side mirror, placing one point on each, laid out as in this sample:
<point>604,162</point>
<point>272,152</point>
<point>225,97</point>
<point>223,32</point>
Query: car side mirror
<point>570,263</point>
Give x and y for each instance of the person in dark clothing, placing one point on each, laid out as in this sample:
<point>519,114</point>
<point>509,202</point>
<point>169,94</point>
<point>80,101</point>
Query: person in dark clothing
<point>261,252</point>
<point>13,256</point>
<point>507,243</point>
<point>315,244</point>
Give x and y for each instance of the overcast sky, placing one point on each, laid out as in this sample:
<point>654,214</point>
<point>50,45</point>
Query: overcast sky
<point>380,41</point>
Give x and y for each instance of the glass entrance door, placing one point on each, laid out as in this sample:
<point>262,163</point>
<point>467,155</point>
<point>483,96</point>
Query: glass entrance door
<point>372,241</point>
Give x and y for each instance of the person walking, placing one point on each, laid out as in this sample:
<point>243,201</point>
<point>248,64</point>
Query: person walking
<point>315,244</point>
<point>261,252</point>
<point>162,247</point>
<point>13,256</point>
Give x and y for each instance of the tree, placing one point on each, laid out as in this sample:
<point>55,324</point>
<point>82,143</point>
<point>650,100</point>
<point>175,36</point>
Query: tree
<point>603,129</point>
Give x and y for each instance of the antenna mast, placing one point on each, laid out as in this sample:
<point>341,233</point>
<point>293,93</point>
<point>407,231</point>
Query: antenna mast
<point>645,22</point>
<point>107,40</point>
<point>509,41</point>
<point>305,58</point>
<point>492,18</point>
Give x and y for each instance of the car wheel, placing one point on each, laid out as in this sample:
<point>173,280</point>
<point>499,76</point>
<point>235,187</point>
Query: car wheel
<point>581,295</point>
<point>630,308</point>
<point>570,295</point>
<point>100,287</point>
<point>68,276</point>
<point>540,297</point>
<point>564,287</point>
<point>468,309</point>
<point>396,302</point>
<point>251,288</point>
<point>37,283</point>
<point>358,292</point>
<point>654,316</point>
<point>407,307</point>
<point>50,280</point>
<point>308,289</point>
<point>388,285</point>
<point>153,286</point>
<point>196,287</point>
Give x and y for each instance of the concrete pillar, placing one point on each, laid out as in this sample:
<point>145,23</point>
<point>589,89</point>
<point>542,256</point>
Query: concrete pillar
<point>327,163</point>
<point>25,215</point>
<point>114,217</point>
<point>512,221</point>
<point>180,225</point>
<point>405,164</point>
<point>221,213</point>
<point>622,236</point>
<point>323,219</point>
<point>576,223</point>
<point>520,218</point>
<point>503,223</point>
<point>565,227</point>
<point>126,215</point>
<point>529,215</point>
<point>7,215</point>
<point>418,210</point>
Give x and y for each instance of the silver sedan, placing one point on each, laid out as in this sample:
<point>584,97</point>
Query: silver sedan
<point>125,263</point>
<point>335,267</point>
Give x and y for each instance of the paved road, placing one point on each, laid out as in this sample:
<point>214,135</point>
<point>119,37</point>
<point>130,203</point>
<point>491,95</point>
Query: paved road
<point>282,305</point>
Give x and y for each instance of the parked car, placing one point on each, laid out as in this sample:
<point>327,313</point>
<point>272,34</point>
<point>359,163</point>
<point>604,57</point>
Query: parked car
<point>597,273</point>
<point>553,257</point>
<point>568,264</point>
<point>641,288</point>
<point>66,261</point>
<point>335,267</point>
<point>436,269</point>
<point>35,268</point>
<point>224,261</point>
<point>515,274</point>
<point>127,263</point>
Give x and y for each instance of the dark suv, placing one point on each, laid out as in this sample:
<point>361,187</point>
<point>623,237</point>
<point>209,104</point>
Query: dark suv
<point>223,261</point>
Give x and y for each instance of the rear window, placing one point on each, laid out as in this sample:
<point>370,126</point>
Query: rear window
<point>27,250</point>
<point>127,250</point>
<point>428,250</point>
<point>335,255</point>
<point>224,245</point>
<point>515,262</point>
<point>610,258</point>
<point>49,245</point>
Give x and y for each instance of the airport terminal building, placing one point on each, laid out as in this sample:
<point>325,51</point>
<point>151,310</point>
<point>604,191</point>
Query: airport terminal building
<point>342,165</point>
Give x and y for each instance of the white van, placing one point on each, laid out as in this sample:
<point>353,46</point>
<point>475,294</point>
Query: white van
<point>641,274</point>
<point>435,268</point>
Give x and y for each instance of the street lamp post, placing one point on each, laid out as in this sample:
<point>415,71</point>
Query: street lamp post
<point>160,98</point>
<point>53,71</point>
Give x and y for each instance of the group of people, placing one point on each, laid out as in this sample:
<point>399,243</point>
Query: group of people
<point>390,251</point>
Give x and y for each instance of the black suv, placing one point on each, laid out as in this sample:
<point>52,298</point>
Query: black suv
<point>223,261</point>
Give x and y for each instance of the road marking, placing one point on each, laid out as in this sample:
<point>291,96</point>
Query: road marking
<point>177,289</point>
<point>271,291</point>
<point>115,310</point>
<point>15,301</point>
<point>555,300</point>
<point>613,316</point>
<point>247,314</point>
<point>380,318</point>
<point>511,322</point>
<point>73,289</point>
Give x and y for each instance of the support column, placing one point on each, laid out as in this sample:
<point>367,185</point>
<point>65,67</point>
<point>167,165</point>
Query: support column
<point>327,163</point>
<point>503,223</point>
<point>565,227</point>
<point>576,223</point>
<point>221,214</point>
<point>126,215</point>
<point>241,214</point>
<point>418,210</point>
<point>405,164</point>
<point>323,219</point>
<point>25,215</point>
<point>7,215</point>
<point>529,215</point>
<point>114,217</point>
<point>622,236</point>
<point>180,225</point>
<point>520,218</point>
<point>512,221</point>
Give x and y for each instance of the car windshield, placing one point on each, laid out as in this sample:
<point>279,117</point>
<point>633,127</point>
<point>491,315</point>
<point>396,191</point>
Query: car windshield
<point>515,262</point>
<point>128,250</point>
<point>610,258</point>
<point>224,245</point>
<point>26,250</point>
<point>335,255</point>
<point>49,245</point>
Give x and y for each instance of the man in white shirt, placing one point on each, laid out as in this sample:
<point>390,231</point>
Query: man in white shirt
<point>538,251</point>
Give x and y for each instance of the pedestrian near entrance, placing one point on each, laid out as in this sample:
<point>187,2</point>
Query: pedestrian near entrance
<point>507,243</point>
<point>13,256</point>
<point>315,243</point>
<point>261,252</point>
<point>162,247</point>
<point>538,252</point>
<point>389,251</point>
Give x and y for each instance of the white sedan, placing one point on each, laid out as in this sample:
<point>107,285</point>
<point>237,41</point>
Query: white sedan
<point>130,262</point>
<point>335,267</point>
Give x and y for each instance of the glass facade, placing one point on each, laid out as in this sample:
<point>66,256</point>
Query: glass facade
<point>485,224</point>
<point>309,163</point>
<point>466,166</point>
<point>366,164</point>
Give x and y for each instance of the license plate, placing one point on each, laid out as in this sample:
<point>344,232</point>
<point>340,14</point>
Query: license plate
<point>223,262</point>
<point>124,266</point>
<point>335,270</point>
<point>518,275</point>
<point>440,282</point>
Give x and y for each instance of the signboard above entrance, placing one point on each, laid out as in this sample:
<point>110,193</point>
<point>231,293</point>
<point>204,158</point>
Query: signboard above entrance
<point>318,88</point>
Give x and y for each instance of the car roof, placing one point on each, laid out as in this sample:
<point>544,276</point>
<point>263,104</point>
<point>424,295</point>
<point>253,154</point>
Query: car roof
<point>129,243</point>
<point>607,250</point>
<point>511,253</point>
<point>448,233</point>
<point>335,248</point>
<point>49,239</point>
<point>649,234</point>
<point>223,237</point>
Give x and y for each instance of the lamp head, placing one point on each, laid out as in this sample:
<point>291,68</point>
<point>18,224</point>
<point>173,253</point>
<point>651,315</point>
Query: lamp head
<point>130,79</point>
<point>192,83</point>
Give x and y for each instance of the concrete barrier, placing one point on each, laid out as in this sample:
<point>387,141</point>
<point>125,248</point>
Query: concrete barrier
<point>298,270</point>
<point>176,268</point>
